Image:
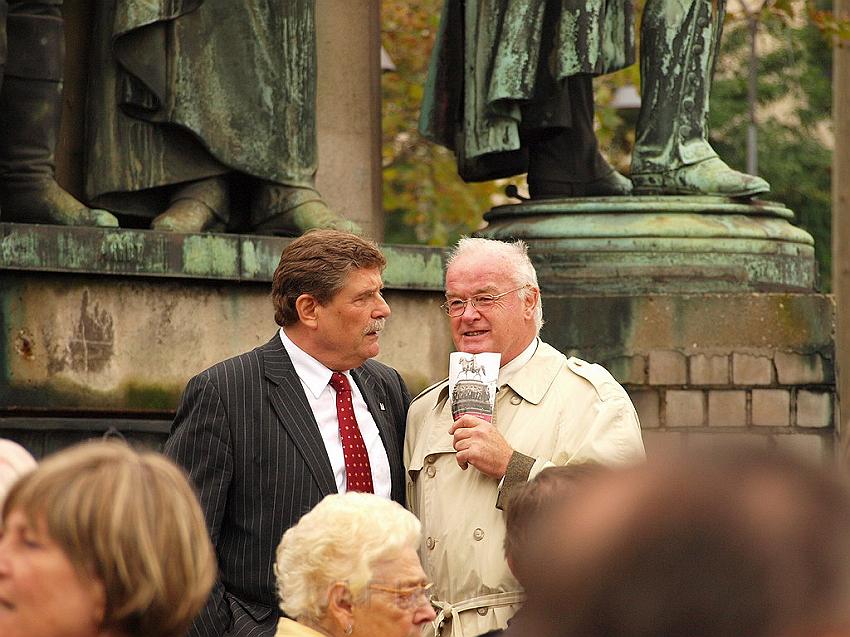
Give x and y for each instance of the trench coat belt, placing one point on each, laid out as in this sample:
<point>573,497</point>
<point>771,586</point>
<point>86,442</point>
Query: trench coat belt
<point>449,611</point>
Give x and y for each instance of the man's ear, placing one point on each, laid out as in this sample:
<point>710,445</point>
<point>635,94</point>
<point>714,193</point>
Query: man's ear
<point>532,298</point>
<point>308,309</point>
<point>341,605</point>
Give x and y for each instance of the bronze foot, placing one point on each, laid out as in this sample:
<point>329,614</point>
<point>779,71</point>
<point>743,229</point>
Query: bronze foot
<point>711,176</point>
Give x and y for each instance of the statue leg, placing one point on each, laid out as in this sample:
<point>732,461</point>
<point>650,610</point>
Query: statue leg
<point>30,109</point>
<point>198,206</point>
<point>679,42</point>
<point>565,161</point>
<point>291,211</point>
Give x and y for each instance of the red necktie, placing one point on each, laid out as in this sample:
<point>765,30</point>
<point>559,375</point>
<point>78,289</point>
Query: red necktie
<point>358,473</point>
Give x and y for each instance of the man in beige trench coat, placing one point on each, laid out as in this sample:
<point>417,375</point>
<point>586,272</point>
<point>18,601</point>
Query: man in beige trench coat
<point>549,410</point>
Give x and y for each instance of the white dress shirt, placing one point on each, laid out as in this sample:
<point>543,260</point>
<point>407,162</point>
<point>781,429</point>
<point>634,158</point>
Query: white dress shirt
<point>321,396</point>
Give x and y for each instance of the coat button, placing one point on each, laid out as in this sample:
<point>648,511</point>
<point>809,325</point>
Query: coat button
<point>430,471</point>
<point>478,535</point>
<point>482,611</point>
<point>430,460</point>
<point>430,543</point>
<point>516,400</point>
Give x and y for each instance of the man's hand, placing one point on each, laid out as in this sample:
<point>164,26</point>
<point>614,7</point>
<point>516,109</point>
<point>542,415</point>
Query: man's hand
<point>479,443</point>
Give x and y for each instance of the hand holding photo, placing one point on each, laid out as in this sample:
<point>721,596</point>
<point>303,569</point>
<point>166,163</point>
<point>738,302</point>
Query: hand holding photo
<point>472,383</point>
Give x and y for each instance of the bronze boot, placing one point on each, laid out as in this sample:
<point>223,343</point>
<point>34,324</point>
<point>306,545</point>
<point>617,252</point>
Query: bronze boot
<point>672,156</point>
<point>30,109</point>
<point>290,211</point>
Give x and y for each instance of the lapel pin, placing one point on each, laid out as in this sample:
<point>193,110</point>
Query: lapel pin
<point>382,406</point>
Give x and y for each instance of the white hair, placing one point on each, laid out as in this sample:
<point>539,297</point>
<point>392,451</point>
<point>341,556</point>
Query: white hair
<point>15,461</point>
<point>340,540</point>
<point>515,253</point>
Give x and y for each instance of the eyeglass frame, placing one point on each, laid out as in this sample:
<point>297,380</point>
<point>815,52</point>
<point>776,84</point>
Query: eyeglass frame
<point>409,597</point>
<point>491,298</point>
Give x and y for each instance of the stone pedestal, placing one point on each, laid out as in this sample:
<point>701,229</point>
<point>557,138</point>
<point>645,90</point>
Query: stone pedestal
<point>659,244</point>
<point>703,307</point>
<point>102,328</point>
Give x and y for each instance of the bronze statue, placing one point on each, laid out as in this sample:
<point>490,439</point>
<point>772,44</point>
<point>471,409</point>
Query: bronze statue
<point>201,107</point>
<point>32,48</point>
<point>509,90</point>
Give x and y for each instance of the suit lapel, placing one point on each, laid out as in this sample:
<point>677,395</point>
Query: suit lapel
<point>378,405</point>
<point>294,414</point>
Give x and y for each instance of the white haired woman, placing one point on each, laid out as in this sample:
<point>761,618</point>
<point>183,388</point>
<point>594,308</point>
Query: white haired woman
<point>350,568</point>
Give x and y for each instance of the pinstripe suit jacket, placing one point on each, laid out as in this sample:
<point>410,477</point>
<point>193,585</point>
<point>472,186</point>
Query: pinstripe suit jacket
<point>246,435</point>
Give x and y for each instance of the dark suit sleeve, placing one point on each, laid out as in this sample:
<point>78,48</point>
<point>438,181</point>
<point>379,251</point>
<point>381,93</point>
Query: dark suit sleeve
<point>200,443</point>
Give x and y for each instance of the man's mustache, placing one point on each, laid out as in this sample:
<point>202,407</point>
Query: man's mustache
<point>375,326</point>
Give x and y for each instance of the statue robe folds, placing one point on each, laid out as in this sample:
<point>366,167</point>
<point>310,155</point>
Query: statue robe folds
<point>497,73</point>
<point>183,90</point>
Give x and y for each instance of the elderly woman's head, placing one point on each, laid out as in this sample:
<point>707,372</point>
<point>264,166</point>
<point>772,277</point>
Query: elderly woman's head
<point>103,540</point>
<point>350,567</point>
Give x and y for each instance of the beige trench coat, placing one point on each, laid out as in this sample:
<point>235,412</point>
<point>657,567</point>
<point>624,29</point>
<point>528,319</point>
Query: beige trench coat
<point>554,409</point>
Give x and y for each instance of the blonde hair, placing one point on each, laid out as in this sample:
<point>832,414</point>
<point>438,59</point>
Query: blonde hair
<point>340,540</point>
<point>130,520</point>
<point>515,253</point>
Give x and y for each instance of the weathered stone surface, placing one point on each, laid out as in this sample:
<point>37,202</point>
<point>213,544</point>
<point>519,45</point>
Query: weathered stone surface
<point>685,408</point>
<point>799,369</point>
<point>814,408</point>
<point>603,327</point>
<point>709,370</point>
<point>748,369</point>
<point>107,342</point>
<point>628,370</point>
<point>727,408</point>
<point>646,404</point>
<point>145,253</point>
<point>771,407</point>
<point>667,367</point>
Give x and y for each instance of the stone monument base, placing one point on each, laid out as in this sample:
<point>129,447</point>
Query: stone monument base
<point>101,328</point>
<point>633,245</point>
<point>703,307</point>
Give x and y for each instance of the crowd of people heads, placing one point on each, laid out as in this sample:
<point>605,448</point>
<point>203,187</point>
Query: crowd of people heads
<point>101,539</point>
<point>744,542</point>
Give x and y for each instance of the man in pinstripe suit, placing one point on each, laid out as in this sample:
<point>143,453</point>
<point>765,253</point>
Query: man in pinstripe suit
<point>259,435</point>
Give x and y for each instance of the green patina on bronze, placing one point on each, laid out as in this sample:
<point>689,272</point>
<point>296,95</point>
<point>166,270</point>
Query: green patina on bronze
<point>634,245</point>
<point>413,268</point>
<point>168,110</point>
<point>213,256</point>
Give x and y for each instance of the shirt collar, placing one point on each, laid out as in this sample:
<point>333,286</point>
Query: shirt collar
<point>312,373</point>
<point>508,370</point>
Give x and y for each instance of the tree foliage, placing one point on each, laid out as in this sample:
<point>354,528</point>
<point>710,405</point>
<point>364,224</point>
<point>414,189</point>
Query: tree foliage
<point>793,115</point>
<point>424,199</point>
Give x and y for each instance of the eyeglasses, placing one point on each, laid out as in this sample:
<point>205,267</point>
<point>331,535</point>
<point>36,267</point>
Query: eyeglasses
<point>456,307</point>
<point>410,597</point>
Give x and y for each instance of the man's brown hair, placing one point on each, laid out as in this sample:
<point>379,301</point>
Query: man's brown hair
<point>318,264</point>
